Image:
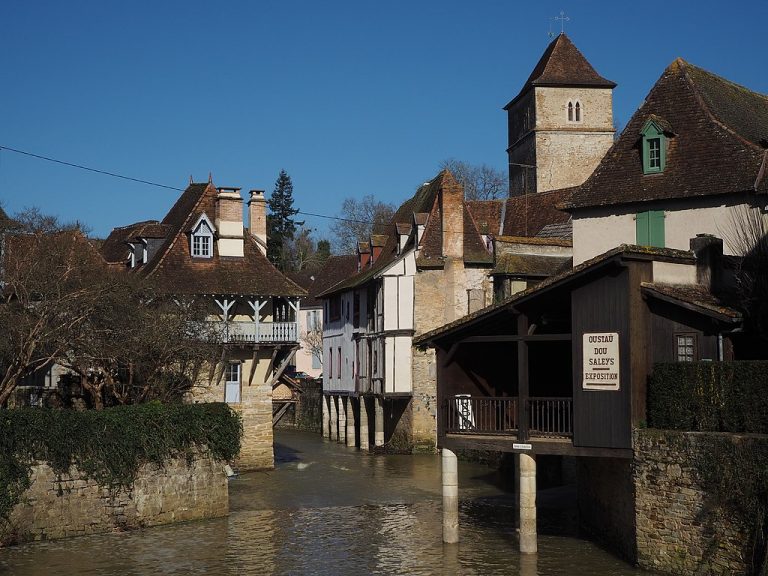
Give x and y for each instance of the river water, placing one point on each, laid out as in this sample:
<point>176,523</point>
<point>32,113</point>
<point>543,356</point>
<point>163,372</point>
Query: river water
<point>331,510</point>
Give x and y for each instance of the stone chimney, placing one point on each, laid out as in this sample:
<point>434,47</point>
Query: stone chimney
<point>452,214</point>
<point>229,222</point>
<point>363,255</point>
<point>709,261</point>
<point>377,245</point>
<point>257,218</point>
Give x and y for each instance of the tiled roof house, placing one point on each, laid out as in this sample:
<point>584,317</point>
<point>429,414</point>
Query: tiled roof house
<point>202,250</point>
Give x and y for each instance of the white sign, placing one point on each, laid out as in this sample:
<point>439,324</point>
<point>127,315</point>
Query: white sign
<point>601,361</point>
<point>517,446</point>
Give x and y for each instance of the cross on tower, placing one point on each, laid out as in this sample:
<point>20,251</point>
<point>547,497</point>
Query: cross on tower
<point>563,19</point>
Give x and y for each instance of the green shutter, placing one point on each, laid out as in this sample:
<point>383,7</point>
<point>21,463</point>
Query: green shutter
<point>643,237</point>
<point>656,228</point>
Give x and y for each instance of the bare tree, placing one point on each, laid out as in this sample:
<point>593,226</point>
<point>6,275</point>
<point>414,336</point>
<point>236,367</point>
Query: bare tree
<point>48,290</point>
<point>480,182</point>
<point>302,252</point>
<point>312,340</point>
<point>747,235</point>
<point>358,220</point>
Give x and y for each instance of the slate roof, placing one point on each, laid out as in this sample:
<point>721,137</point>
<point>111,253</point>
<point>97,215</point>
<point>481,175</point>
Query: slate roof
<point>695,297</point>
<point>625,250</point>
<point>717,146</point>
<point>335,270</point>
<point>560,230</point>
<point>174,269</point>
<point>562,64</point>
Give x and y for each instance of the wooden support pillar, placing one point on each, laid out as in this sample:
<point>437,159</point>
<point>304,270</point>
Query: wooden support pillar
<point>378,421</point>
<point>523,409</point>
<point>527,490</point>
<point>334,414</point>
<point>450,476</point>
<point>342,419</point>
<point>326,417</point>
<point>364,444</point>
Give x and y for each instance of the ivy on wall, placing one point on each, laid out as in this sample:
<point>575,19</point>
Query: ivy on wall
<point>109,445</point>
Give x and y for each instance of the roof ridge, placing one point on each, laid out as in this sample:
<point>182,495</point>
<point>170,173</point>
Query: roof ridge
<point>684,67</point>
<point>166,248</point>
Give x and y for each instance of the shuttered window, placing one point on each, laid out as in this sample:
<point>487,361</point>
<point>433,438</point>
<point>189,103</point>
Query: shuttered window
<point>650,228</point>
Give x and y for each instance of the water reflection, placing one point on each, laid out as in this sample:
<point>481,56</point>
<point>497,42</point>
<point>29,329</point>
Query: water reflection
<point>330,510</point>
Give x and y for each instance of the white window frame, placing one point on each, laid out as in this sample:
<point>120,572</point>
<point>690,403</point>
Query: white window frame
<point>229,383</point>
<point>201,239</point>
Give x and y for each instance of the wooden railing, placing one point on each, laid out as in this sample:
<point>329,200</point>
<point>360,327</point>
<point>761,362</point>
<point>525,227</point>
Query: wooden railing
<point>479,415</point>
<point>250,332</point>
<point>547,417</point>
<point>550,417</point>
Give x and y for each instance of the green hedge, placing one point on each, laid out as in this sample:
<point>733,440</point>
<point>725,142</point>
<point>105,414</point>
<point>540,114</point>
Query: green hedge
<point>709,396</point>
<point>109,445</point>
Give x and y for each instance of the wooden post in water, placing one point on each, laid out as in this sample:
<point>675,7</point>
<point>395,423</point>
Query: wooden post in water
<point>527,484</point>
<point>326,417</point>
<point>450,475</point>
<point>378,439</point>
<point>350,422</point>
<point>364,445</point>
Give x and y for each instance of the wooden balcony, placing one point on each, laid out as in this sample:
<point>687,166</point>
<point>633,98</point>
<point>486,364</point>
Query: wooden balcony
<point>253,333</point>
<point>475,415</point>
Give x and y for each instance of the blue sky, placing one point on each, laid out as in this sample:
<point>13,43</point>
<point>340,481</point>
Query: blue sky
<point>350,97</point>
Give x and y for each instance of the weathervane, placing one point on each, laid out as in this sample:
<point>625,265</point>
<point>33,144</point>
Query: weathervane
<point>563,19</point>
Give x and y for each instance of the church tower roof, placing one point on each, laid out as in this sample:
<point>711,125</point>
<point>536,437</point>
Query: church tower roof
<point>562,64</point>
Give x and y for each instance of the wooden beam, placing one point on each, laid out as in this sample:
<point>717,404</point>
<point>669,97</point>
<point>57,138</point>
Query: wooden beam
<point>525,337</point>
<point>253,364</point>
<point>283,365</point>
<point>538,446</point>
<point>522,378</point>
<point>280,413</point>
<point>451,353</point>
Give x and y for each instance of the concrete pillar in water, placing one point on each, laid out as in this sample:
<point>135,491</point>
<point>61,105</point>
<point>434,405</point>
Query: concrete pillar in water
<point>450,497</point>
<point>527,484</point>
<point>350,422</point>
<point>326,417</point>
<point>364,424</point>
<point>342,419</point>
<point>334,433</point>
<point>378,438</point>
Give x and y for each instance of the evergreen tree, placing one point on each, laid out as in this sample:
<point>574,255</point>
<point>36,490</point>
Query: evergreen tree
<point>280,223</point>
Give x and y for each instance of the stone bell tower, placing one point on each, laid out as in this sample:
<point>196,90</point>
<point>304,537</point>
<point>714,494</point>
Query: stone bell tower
<point>560,125</point>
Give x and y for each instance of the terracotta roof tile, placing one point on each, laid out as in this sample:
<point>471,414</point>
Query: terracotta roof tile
<point>715,149</point>
<point>532,265</point>
<point>695,296</point>
<point>562,64</point>
<point>487,215</point>
<point>175,271</point>
<point>528,214</point>
<point>335,270</point>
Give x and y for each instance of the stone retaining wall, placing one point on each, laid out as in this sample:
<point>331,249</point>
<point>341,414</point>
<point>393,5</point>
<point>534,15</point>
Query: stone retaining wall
<point>681,528</point>
<point>71,505</point>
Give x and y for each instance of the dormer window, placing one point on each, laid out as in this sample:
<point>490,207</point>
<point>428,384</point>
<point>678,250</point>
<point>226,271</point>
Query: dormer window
<point>574,111</point>
<point>202,238</point>
<point>654,147</point>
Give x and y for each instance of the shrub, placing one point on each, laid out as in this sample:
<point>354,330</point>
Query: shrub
<point>709,396</point>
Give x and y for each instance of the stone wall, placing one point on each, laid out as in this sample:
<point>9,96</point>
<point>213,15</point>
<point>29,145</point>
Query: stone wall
<point>682,529</point>
<point>606,502</point>
<point>71,505</point>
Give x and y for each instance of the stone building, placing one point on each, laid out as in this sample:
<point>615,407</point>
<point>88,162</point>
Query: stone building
<point>202,250</point>
<point>560,125</point>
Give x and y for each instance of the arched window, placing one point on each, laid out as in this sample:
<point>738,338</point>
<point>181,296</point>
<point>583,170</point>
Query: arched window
<point>570,111</point>
<point>578,112</point>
